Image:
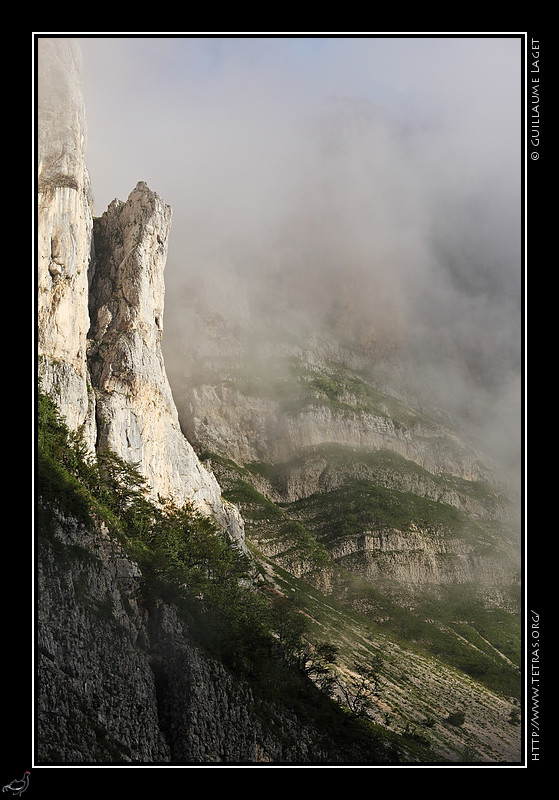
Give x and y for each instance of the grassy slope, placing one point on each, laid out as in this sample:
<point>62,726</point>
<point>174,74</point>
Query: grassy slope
<point>455,627</point>
<point>424,659</point>
<point>419,691</point>
<point>441,653</point>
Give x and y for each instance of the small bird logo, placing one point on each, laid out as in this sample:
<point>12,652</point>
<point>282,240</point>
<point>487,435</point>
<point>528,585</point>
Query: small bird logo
<point>17,787</point>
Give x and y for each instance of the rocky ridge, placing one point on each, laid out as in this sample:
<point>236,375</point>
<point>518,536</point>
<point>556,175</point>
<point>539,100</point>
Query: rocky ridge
<point>136,413</point>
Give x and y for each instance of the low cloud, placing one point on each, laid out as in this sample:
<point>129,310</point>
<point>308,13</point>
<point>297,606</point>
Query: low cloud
<point>375,181</point>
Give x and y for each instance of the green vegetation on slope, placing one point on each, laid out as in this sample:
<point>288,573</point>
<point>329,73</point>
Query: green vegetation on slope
<point>348,391</point>
<point>420,687</point>
<point>185,560</point>
<point>296,385</point>
<point>264,519</point>
<point>451,624</point>
<point>348,460</point>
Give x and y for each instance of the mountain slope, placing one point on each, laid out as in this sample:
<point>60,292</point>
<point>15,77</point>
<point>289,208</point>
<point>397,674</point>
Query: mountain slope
<point>265,556</point>
<point>421,696</point>
<point>161,663</point>
<point>375,477</point>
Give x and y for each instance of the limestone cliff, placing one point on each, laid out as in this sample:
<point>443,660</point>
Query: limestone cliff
<point>100,304</point>
<point>119,684</point>
<point>256,396</point>
<point>121,676</point>
<point>64,234</point>
<point>136,414</point>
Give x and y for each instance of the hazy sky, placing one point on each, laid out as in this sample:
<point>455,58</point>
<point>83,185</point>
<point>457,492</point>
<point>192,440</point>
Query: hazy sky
<point>385,171</point>
<point>175,110</point>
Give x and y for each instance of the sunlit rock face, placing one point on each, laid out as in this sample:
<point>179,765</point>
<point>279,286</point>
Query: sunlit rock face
<point>100,314</point>
<point>136,414</point>
<point>64,234</point>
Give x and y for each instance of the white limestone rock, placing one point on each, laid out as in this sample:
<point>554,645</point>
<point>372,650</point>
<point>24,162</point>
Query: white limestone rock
<point>136,414</point>
<point>64,234</point>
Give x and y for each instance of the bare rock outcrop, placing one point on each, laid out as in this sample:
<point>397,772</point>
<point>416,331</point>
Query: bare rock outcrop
<point>64,235</point>
<point>121,682</point>
<point>100,315</point>
<point>136,413</point>
<point>250,428</point>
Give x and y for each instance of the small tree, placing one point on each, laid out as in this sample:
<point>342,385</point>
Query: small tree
<point>514,717</point>
<point>317,662</point>
<point>290,627</point>
<point>360,691</point>
<point>457,718</point>
<point>121,483</point>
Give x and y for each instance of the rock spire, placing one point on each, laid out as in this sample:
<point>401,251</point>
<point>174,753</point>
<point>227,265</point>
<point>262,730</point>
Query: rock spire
<point>100,304</point>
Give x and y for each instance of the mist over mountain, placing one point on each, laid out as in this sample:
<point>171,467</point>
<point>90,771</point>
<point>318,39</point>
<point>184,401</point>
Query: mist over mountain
<point>370,184</point>
<point>278,353</point>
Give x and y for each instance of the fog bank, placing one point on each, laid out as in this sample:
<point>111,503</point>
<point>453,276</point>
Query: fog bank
<point>370,183</point>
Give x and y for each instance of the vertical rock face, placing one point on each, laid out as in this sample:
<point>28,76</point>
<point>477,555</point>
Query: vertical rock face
<point>64,234</point>
<point>136,414</point>
<point>100,316</point>
<point>119,684</point>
